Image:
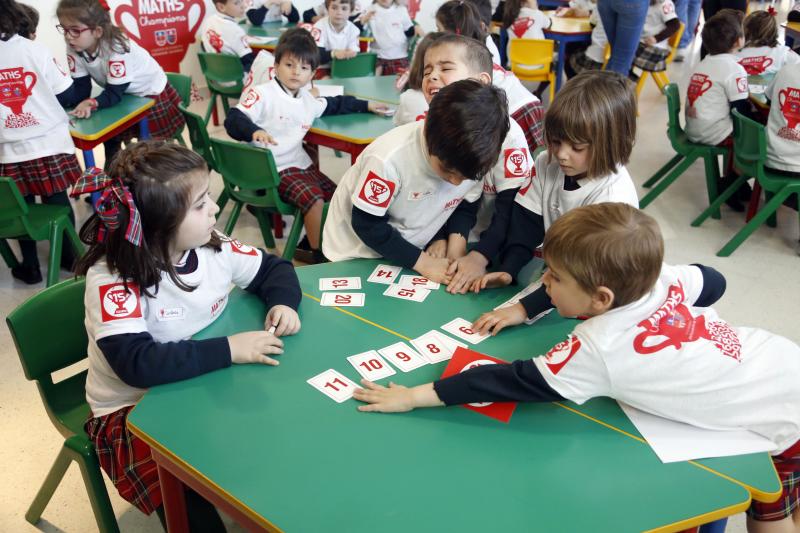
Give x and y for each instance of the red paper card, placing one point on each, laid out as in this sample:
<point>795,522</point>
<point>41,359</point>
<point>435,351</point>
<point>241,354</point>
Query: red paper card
<point>464,359</point>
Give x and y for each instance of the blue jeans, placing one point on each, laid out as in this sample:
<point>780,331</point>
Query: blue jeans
<point>623,21</point>
<point>688,12</point>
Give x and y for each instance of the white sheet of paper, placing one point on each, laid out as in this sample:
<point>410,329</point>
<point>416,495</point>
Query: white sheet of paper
<point>403,356</point>
<point>261,40</point>
<point>329,90</point>
<point>436,346</point>
<point>415,294</point>
<point>342,299</point>
<point>675,441</point>
<point>338,284</point>
<point>371,365</point>
<point>385,274</point>
<point>522,294</point>
<point>333,385</point>
<point>450,342</point>
<point>418,281</point>
<point>462,328</point>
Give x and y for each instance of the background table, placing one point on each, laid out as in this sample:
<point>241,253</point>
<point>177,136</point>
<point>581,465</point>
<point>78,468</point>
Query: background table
<point>276,29</point>
<point>377,88</point>
<point>565,30</point>
<point>349,133</point>
<point>792,34</point>
<point>276,454</point>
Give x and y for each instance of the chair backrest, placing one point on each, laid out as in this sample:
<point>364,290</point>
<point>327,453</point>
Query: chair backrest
<point>246,172</point>
<point>183,85</point>
<point>531,57</point>
<point>749,145</point>
<point>13,210</point>
<point>412,46</point>
<point>673,95</point>
<point>198,135</point>
<point>361,65</point>
<point>60,310</point>
<point>223,72</point>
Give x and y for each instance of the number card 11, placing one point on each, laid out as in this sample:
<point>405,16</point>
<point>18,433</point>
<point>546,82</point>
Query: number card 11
<point>371,365</point>
<point>333,385</point>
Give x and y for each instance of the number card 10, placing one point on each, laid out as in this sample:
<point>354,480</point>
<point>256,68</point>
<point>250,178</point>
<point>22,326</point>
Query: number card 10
<point>371,365</point>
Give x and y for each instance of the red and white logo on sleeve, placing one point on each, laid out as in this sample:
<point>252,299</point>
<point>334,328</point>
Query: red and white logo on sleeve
<point>560,354</point>
<point>741,84</point>
<point>376,190</point>
<point>116,69</point>
<point>516,162</point>
<point>244,249</point>
<point>61,70</point>
<point>250,98</point>
<point>71,63</point>
<point>116,303</point>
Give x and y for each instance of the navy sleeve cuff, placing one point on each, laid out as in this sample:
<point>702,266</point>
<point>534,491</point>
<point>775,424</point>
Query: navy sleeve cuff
<point>342,105</point>
<point>714,285</point>
<point>111,95</point>
<point>536,302</point>
<point>256,16</point>
<point>276,282</point>
<point>492,239</point>
<point>378,234</point>
<point>239,126</point>
<point>463,219</point>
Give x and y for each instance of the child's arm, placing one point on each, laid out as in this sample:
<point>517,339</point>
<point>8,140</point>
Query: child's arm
<point>111,96</point>
<point>240,127</point>
<point>671,26</point>
<point>343,105</point>
<point>277,285</point>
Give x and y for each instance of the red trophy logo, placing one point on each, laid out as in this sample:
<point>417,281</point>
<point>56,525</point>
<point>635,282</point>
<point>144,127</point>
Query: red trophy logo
<point>118,303</point>
<point>376,190</point>
<point>515,159</point>
<point>521,26</point>
<point>697,86</point>
<point>789,99</point>
<point>15,88</point>
<point>165,29</point>
<point>755,65</point>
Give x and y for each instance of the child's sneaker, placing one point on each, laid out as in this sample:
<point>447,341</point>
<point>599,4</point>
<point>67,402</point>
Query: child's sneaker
<point>680,55</point>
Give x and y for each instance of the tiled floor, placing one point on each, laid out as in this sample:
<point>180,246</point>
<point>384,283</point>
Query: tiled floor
<point>763,290</point>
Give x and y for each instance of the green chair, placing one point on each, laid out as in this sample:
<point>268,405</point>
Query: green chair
<point>39,222</point>
<point>183,86</point>
<point>412,46</point>
<point>688,151</point>
<point>250,177</point>
<point>225,77</point>
<point>198,135</point>
<point>361,65</point>
<point>61,308</point>
<point>750,152</point>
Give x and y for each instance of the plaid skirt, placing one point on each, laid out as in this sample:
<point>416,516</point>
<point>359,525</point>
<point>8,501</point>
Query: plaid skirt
<point>579,62</point>
<point>164,119</point>
<point>651,58</point>
<point>126,459</point>
<point>787,465</point>
<point>44,176</point>
<point>393,66</point>
<point>304,187</point>
<point>530,118</point>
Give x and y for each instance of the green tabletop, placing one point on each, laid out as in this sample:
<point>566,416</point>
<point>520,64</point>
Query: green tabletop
<point>103,121</point>
<point>357,128</point>
<point>274,446</point>
<point>378,88</point>
<point>763,80</point>
<point>268,29</point>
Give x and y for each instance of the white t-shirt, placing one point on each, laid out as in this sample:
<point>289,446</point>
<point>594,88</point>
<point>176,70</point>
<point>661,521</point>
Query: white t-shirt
<point>33,123</point>
<point>529,24</point>
<point>783,124</point>
<point>137,67</point>
<point>286,118</point>
<point>223,35</point>
<point>393,177</point>
<point>261,71</point>
<point>413,107</point>
<point>597,49</point>
<point>516,93</point>
<point>664,356</point>
<point>172,315</point>
<point>493,50</point>
<point>329,39</point>
<point>545,195</point>
<point>512,171</point>
<point>716,81</point>
<point>388,28</point>
<point>766,59</point>
<point>657,17</point>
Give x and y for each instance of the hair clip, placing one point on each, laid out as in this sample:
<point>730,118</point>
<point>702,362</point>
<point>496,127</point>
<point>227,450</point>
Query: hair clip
<point>115,195</point>
<point>771,10</point>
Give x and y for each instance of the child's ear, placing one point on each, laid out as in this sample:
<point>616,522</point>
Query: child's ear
<point>485,78</point>
<point>602,300</point>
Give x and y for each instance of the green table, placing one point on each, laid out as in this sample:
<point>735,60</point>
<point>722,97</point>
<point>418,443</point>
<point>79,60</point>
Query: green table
<point>348,133</point>
<point>276,454</point>
<point>760,99</point>
<point>268,29</point>
<point>378,88</point>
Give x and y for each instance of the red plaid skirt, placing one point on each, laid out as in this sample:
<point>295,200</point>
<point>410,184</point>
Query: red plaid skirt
<point>393,66</point>
<point>163,119</point>
<point>44,176</point>
<point>530,118</point>
<point>304,187</point>
<point>126,459</point>
<point>788,466</point>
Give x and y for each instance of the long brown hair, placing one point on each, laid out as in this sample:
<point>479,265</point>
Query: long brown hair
<point>92,13</point>
<point>461,17</point>
<point>760,29</point>
<point>511,10</point>
<point>160,176</point>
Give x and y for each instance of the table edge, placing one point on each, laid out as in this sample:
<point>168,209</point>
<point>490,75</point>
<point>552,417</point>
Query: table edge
<point>111,127</point>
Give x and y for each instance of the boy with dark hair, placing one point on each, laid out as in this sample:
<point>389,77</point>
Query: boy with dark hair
<point>410,181</point>
<point>278,114</point>
<point>650,341</point>
<point>222,33</point>
<point>335,35</point>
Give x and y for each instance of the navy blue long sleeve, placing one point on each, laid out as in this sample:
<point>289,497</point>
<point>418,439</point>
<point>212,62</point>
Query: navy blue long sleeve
<point>519,381</point>
<point>276,282</point>
<point>324,56</point>
<point>525,233</point>
<point>247,61</point>
<point>69,97</point>
<point>536,302</point>
<point>309,14</point>
<point>463,219</point>
<point>342,105</point>
<point>239,126</point>
<point>256,16</point>
<point>111,95</point>
<point>714,285</point>
<point>378,234</point>
<point>493,238</point>
<point>83,87</point>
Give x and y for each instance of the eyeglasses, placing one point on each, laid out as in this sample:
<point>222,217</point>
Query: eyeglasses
<point>72,32</point>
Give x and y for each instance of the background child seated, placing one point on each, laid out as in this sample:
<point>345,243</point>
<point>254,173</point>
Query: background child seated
<point>262,11</point>
<point>413,104</point>
<point>783,124</point>
<point>334,34</point>
<point>391,28</point>
<point>222,33</point>
<point>463,18</point>
<point>661,23</point>
<point>522,19</point>
<point>762,52</point>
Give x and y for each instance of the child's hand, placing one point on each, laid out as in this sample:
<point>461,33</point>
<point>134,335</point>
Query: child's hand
<point>395,398</point>
<point>433,268</point>
<point>649,40</point>
<point>253,347</point>
<point>378,109</point>
<point>366,17</point>
<point>286,7</point>
<point>491,281</point>
<point>499,319</point>
<point>284,319</point>
<point>84,109</point>
<point>418,30</point>
<point>456,247</point>
<point>465,271</point>
<point>344,54</point>
<point>263,137</point>
<point>564,12</point>
<point>437,248</point>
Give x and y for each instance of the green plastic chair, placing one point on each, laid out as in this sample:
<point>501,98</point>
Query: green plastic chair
<point>361,65</point>
<point>183,86</point>
<point>198,135</point>
<point>749,153</point>
<point>224,74</point>
<point>61,308</point>
<point>251,178</point>
<point>688,151</point>
<point>39,222</point>
<point>412,46</point>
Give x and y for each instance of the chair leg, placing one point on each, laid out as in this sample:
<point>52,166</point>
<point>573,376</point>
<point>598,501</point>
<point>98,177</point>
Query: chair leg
<point>212,104</point>
<point>712,178</point>
<point>8,255</point>
<point>640,83</point>
<point>715,205</point>
<point>51,482</point>
<point>222,201</point>
<point>86,458</point>
<point>294,236</point>
<point>667,180</point>
<point>768,209</point>
<point>552,89</point>
<point>54,258</point>
<point>237,208</point>
<point>662,171</point>
<point>661,80</point>
<point>225,105</point>
<point>772,220</point>
<point>266,228</point>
